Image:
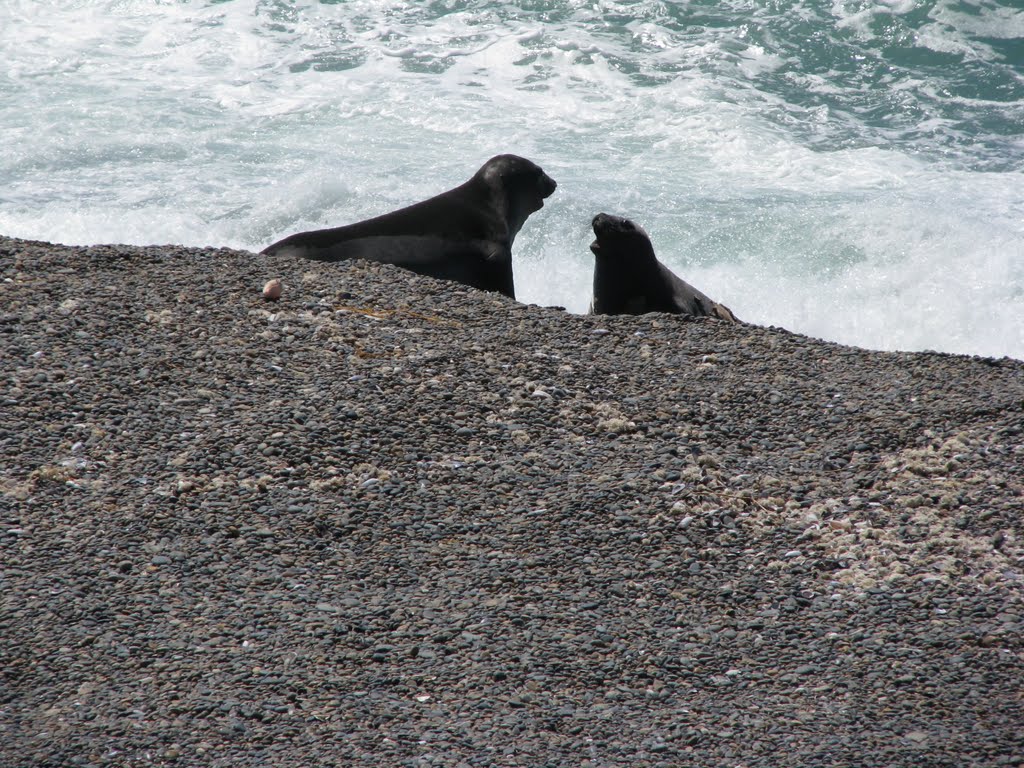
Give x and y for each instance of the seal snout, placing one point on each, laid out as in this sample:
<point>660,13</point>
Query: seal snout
<point>546,186</point>
<point>600,225</point>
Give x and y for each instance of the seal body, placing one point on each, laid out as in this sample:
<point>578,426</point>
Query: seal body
<point>464,234</point>
<point>629,279</point>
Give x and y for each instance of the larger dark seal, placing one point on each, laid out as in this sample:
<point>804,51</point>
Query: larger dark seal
<point>629,279</point>
<point>464,234</point>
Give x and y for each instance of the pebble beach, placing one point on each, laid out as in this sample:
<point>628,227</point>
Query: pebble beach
<point>385,520</point>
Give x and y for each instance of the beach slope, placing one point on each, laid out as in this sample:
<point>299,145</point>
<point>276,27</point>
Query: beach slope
<point>388,520</point>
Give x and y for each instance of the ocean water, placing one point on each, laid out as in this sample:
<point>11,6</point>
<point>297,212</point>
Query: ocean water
<point>847,169</point>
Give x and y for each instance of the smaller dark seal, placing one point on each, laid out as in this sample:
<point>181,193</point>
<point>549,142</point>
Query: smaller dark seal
<point>464,234</point>
<point>629,279</point>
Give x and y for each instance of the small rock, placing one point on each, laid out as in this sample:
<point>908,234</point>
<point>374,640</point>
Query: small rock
<point>272,289</point>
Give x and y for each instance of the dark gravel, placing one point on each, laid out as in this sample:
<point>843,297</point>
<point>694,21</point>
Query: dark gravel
<point>387,521</point>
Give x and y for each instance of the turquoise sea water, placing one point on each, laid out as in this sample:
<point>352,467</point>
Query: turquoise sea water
<point>849,170</point>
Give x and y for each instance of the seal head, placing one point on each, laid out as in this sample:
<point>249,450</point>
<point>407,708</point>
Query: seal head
<point>621,238</point>
<point>518,185</point>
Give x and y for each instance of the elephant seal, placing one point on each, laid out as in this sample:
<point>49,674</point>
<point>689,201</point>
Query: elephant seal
<point>629,279</point>
<point>464,234</point>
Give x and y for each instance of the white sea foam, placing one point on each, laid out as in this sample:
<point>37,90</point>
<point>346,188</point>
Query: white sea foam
<point>236,123</point>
